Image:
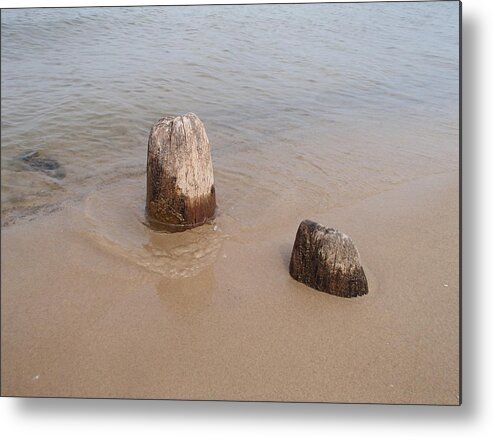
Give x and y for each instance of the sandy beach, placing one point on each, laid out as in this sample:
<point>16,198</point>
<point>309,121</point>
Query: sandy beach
<point>80,317</point>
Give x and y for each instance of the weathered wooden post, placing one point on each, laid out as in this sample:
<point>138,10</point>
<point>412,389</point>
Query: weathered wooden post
<point>327,260</point>
<point>180,180</point>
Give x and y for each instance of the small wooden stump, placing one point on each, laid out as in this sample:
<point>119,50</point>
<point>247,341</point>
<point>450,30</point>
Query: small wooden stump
<point>180,180</point>
<point>327,260</point>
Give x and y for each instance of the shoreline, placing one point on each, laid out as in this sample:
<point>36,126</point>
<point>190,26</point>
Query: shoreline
<point>97,324</point>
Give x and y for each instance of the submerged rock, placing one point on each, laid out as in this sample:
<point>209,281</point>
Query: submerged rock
<point>49,166</point>
<point>327,260</point>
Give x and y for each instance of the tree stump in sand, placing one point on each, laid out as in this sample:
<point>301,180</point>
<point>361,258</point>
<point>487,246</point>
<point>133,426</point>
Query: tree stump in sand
<point>327,260</point>
<point>180,180</point>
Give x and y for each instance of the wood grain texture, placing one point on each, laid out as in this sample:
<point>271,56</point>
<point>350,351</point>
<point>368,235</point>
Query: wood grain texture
<point>180,180</point>
<point>327,260</point>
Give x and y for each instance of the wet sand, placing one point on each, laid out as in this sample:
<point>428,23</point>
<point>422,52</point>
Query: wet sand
<point>89,311</point>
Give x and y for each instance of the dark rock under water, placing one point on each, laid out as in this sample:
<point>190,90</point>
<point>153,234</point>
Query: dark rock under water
<point>34,161</point>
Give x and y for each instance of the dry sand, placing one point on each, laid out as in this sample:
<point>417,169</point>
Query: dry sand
<point>85,316</point>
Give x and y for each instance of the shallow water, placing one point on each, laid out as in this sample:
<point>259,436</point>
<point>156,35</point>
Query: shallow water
<point>306,106</point>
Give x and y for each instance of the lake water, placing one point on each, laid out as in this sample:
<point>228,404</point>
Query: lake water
<point>305,105</point>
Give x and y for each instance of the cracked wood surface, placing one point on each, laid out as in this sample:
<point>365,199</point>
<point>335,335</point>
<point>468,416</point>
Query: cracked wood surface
<point>327,260</point>
<point>180,180</point>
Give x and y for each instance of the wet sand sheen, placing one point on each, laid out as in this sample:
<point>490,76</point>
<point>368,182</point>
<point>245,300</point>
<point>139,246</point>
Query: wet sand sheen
<point>79,318</point>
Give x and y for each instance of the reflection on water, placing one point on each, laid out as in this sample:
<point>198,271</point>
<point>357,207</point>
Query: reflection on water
<point>115,220</point>
<point>309,103</point>
<point>181,254</point>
